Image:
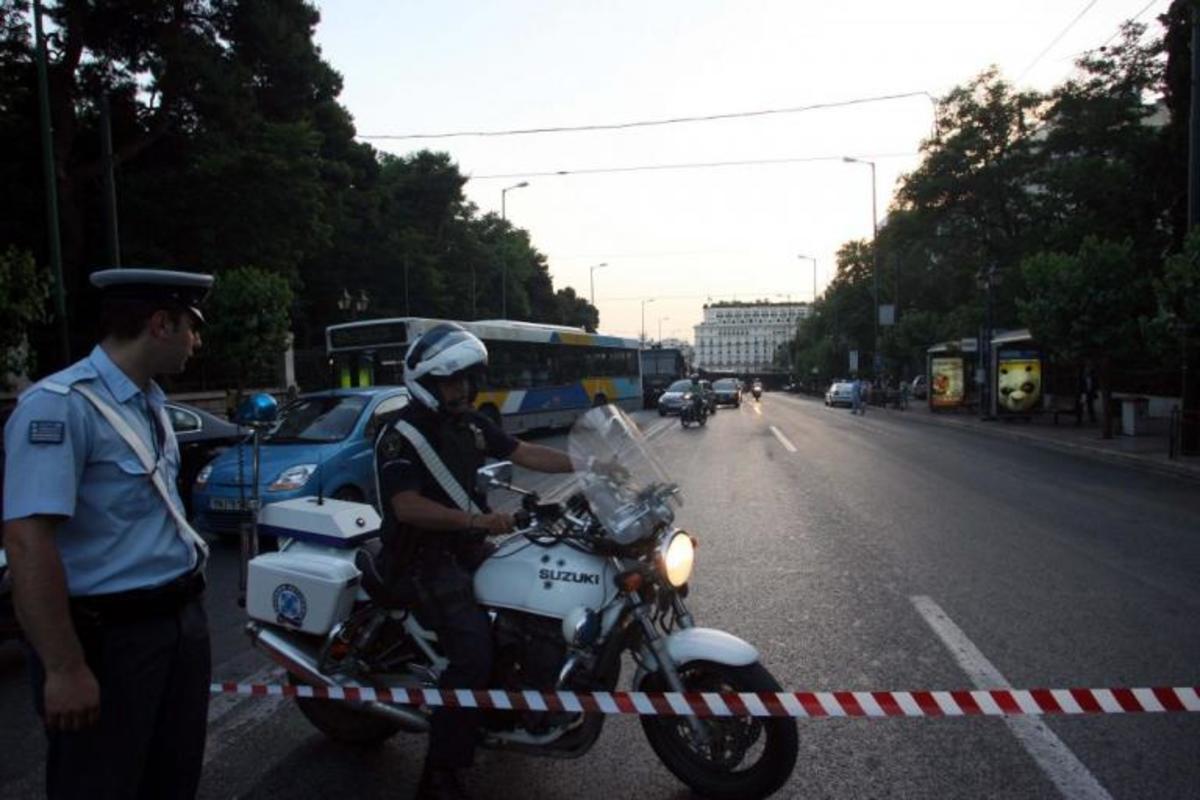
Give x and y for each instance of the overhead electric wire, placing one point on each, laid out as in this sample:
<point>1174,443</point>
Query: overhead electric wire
<point>651,123</point>
<point>1134,18</point>
<point>1057,39</point>
<point>693,165</point>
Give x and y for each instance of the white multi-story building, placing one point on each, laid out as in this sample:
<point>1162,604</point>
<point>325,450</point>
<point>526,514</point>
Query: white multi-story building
<point>743,337</point>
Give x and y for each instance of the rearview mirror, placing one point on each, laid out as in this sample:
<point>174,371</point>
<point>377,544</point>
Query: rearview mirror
<point>494,476</point>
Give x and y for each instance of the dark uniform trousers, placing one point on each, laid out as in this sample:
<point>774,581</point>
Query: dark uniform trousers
<point>154,669</point>
<point>464,632</point>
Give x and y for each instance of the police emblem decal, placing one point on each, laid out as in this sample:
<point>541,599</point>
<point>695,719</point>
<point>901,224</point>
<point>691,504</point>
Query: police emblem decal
<point>289,604</point>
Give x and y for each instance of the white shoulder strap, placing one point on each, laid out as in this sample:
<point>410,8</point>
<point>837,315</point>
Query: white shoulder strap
<point>436,467</point>
<point>126,432</point>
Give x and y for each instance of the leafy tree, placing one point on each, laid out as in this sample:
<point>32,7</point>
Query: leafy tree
<point>1088,305</point>
<point>248,322</point>
<point>1178,290</point>
<point>575,310</point>
<point>24,290</point>
<point>1095,136</point>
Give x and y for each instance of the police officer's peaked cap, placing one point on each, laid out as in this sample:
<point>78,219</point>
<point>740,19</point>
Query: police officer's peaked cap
<point>185,289</point>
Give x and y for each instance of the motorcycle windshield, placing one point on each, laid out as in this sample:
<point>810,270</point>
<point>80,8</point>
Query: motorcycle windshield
<point>625,484</point>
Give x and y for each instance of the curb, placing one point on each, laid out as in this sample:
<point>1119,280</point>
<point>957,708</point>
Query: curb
<point>1187,472</point>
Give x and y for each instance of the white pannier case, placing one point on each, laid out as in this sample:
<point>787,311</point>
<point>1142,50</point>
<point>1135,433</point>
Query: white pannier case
<point>311,584</point>
<point>309,592</point>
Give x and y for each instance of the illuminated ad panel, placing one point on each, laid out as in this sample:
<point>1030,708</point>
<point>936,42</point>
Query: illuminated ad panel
<point>946,382</point>
<point>1018,381</point>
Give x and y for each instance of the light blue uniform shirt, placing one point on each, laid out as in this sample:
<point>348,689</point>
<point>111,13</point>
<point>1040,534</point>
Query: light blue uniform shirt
<point>63,458</point>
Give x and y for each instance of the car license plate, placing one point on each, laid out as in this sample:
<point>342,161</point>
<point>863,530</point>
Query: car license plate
<point>227,504</point>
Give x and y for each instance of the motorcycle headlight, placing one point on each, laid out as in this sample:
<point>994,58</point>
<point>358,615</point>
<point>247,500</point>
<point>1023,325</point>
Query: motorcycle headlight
<point>675,556</point>
<point>293,477</point>
<point>204,474</point>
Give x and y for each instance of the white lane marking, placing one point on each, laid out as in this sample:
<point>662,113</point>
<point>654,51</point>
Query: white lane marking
<point>757,409</point>
<point>1059,764</point>
<point>783,440</point>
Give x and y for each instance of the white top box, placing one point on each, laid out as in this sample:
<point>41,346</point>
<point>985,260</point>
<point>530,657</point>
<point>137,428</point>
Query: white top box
<point>330,523</point>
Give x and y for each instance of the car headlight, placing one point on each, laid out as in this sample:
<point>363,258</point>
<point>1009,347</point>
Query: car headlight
<point>675,556</point>
<point>293,477</point>
<point>204,474</point>
<point>687,396</point>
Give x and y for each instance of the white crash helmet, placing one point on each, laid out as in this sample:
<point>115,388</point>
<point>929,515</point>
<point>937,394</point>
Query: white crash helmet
<point>442,351</point>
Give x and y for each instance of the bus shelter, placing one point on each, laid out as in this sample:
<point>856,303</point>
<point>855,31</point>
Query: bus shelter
<point>951,368</point>
<point>1017,369</point>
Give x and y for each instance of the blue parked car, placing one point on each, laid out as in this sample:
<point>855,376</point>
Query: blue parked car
<point>323,442</point>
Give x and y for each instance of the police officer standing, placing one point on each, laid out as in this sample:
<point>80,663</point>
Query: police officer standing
<point>107,575</point>
<point>439,539</point>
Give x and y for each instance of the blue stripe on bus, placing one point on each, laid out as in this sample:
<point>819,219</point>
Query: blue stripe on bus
<point>554,398</point>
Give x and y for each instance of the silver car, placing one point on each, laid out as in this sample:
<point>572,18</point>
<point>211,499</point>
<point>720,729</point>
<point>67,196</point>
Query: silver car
<point>840,394</point>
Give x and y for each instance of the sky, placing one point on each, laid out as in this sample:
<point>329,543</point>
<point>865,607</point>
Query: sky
<point>673,239</point>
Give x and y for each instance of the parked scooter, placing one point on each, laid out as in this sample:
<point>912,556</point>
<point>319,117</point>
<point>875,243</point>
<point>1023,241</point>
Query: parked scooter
<point>581,588</point>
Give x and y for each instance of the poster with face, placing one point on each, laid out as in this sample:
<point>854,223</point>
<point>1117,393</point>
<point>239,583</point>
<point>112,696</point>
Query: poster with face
<point>1018,382</point>
<point>945,382</point>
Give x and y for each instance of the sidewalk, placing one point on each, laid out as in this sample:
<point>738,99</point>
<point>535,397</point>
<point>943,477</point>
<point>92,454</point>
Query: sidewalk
<point>1146,451</point>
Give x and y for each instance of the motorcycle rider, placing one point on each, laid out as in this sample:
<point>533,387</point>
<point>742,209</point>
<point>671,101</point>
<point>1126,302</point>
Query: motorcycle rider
<point>426,536</point>
<point>699,408</point>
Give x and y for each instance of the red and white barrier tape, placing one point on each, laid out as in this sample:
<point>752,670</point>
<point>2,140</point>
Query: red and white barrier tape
<point>982,702</point>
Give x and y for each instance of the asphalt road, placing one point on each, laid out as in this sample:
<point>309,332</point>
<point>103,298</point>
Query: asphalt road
<point>857,553</point>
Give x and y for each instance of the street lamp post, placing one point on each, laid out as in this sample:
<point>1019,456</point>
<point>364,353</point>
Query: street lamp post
<point>874,249</point>
<point>592,279</point>
<point>504,270</point>
<point>647,300</point>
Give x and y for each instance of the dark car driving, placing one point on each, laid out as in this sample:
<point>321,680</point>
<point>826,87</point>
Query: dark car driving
<point>727,392</point>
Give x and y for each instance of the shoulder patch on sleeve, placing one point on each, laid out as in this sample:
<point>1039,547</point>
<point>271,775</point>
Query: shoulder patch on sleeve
<point>46,431</point>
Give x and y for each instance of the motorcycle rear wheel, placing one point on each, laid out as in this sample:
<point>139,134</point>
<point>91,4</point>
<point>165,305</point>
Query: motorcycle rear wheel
<point>718,769</point>
<point>342,722</point>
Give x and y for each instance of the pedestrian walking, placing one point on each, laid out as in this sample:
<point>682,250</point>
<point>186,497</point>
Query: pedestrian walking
<point>855,396</point>
<point>905,389</point>
<point>107,574</point>
<point>1087,393</point>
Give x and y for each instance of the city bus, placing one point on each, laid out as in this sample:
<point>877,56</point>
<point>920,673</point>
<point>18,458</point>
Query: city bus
<point>539,376</point>
<point>661,366</point>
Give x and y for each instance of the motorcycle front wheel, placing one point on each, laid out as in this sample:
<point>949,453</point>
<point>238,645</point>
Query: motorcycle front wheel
<point>342,721</point>
<point>744,757</point>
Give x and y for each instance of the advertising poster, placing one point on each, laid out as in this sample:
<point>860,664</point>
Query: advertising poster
<point>946,382</point>
<point>1018,382</point>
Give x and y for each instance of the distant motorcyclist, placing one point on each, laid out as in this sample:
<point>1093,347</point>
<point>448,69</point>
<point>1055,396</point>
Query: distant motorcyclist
<point>698,400</point>
<point>428,536</point>
<point>756,390</point>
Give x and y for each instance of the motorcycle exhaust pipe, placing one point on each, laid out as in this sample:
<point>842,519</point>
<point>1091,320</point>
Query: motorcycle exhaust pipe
<point>302,665</point>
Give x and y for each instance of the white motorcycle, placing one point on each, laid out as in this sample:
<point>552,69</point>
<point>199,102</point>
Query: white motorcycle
<point>578,586</point>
